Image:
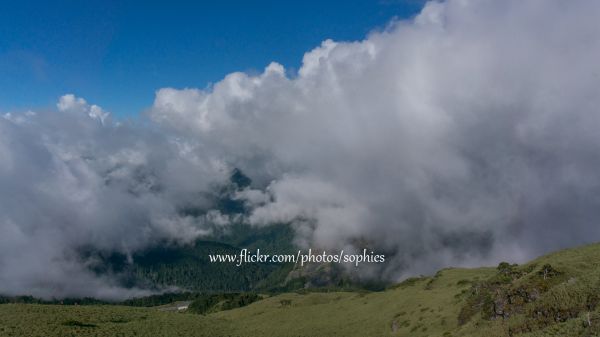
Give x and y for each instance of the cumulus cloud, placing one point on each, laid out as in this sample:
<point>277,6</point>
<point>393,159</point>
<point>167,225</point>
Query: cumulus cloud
<point>70,103</point>
<point>463,136</point>
<point>466,135</point>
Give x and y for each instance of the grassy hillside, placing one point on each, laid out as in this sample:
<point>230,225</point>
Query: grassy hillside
<point>418,307</point>
<point>555,295</point>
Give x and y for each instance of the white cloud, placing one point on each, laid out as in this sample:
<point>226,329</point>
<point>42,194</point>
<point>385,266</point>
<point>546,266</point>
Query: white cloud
<point>440,139</point>
<point>69,183</point>
<point>70,103</point>
<point>464,136</point>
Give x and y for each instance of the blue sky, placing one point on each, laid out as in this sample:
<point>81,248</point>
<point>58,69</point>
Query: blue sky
<point>116,54</point>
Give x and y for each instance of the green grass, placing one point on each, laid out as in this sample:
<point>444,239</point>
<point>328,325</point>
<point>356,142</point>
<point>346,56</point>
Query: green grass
<point>34,320</point>
<point>417,310</point>
<point>555,295</point>
<point>421,309</point>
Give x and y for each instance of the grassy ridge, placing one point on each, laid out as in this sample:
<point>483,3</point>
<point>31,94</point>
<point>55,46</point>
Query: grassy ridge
<point>555,295</point>
<point>424,307</point>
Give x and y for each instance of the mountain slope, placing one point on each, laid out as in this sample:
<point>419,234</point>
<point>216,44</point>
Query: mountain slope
<point>188,267</point>
<point>554,295</point>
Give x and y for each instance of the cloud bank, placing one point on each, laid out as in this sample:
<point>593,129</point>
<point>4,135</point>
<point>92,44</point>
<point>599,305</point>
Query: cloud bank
<point>71,179</point>
<point>466,135</point>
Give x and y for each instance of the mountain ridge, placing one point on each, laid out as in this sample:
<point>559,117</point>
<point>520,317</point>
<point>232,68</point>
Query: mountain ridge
<point>553,295</point>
